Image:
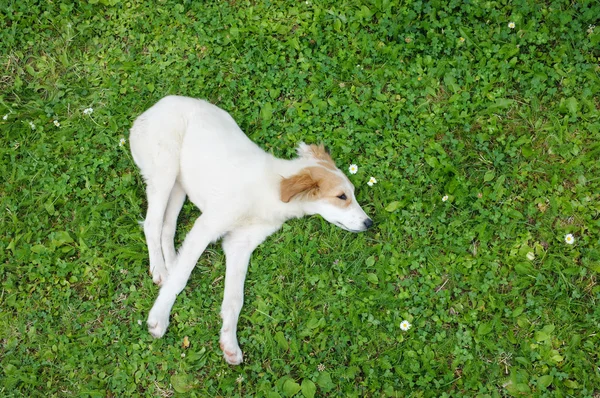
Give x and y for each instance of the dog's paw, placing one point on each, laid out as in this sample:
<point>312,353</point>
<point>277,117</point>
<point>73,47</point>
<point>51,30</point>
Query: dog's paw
<point>157,325</point>
<point>232,353</point>
<point>159,279</point>
<point>159,275</point>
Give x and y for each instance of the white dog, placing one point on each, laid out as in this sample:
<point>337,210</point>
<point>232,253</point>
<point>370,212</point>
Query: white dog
<point>184,146</point>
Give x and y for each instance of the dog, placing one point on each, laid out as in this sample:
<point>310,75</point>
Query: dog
<point>186,147</point>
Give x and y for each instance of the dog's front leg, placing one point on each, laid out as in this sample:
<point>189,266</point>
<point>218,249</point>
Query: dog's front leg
<point>203,232</point>
<point>238,245</point>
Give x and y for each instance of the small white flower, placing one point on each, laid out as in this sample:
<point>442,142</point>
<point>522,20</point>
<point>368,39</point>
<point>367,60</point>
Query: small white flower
<point>122,141</point>
<point>140,322</point>
<point>530,256</point>
<point>183,355</point>
<point>321,367</point>
<point>239,379</point>
<point>405,325</point>
<point>372,181</point>
<point>353,169</point>
<point>462,40</point>
<point>57,123</point>
<point>511,25</point>
<point>88,111</point>
<point>5,117</point>
<point>444,198</point>
<point>32,125</point>
<point>570,239</point>
<point>591,29</point>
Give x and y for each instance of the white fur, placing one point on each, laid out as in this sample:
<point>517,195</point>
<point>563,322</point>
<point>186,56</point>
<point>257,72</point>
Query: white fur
<point>188,147</point>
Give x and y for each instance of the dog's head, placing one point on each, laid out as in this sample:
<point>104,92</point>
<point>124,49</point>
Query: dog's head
<point>323,189</point>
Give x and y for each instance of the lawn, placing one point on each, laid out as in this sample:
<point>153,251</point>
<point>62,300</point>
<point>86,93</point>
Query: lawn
<point>480,121</point>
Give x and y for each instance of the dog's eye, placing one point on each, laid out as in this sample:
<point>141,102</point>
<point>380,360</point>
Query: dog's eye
<point>342,196</point>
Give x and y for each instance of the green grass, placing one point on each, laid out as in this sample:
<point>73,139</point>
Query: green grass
<point>430,98</point>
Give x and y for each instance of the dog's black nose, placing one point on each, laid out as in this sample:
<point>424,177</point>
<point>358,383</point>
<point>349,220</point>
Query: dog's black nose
<point>368,223</point>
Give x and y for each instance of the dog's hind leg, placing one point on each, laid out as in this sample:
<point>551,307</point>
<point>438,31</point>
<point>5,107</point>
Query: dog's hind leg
<point>238,246</point>
<point>155,147</point>
<point>174,206</point>
<point>158,191</point>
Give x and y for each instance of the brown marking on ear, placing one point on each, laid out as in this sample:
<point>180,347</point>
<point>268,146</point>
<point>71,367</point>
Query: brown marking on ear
<point>321,153</point>
<point>312,183</point>
<point>301,183</point>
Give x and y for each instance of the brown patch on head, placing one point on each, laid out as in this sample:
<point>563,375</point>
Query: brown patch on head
<point>301,183</point>
<point>315,183</point>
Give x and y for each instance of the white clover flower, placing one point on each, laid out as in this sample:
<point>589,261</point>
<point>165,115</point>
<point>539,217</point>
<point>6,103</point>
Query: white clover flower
<point>530,256</point>
<point>570,239</point>
<point>239,379</point>
<point>353,169</point>
<point>183,355</point>
<point>405,325</point>
<point>591,29</point>
<point>511,25</point>
<point>56,123</point>
<point>88,111</point>
<point>372,181</point>
<point>122,141</point>
<point>444,198</point>
<point>32,125</point>
<point>5,117</point>
<point>321,367</point>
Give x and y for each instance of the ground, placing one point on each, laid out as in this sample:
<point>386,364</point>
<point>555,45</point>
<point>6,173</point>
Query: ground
<point>478,120</point>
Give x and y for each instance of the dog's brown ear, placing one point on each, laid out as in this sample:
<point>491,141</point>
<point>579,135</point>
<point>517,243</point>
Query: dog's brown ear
<point>301,183</point>
<point>319,152</point>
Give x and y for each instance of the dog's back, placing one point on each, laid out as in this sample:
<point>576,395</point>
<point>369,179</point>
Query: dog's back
<point>198,144</point>
<point>160,136</point>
